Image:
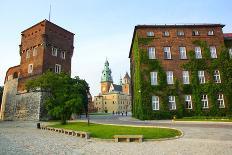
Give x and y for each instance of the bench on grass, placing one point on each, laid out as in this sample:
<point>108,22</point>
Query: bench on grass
<point>128,138</point>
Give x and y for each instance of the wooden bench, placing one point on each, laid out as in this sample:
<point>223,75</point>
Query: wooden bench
<point>128,138</point>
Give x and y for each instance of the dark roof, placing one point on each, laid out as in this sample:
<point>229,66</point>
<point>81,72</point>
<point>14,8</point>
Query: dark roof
<point>117,87</point>
<point>127,76</point>
<point>171,26</point>
<point>46,21</point>
<point>227,36</point>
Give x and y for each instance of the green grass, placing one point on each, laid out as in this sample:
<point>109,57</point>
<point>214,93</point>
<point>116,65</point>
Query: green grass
<point>205,118</point>
<point>108,131</point>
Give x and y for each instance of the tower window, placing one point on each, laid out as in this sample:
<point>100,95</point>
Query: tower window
<point>28,54</point>
<point>30,68</point>
<point>34,51</point>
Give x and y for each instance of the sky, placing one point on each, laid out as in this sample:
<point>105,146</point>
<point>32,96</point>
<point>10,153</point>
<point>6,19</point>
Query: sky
<point>103,28</point>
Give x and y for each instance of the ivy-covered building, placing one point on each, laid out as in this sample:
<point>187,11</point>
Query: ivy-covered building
<point>181,70</point>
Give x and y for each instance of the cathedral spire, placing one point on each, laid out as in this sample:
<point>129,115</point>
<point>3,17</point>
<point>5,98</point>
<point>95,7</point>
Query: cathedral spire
<point>106,73</point>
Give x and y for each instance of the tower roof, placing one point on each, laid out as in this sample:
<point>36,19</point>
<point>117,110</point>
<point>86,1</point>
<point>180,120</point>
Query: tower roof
<point>106,73</point>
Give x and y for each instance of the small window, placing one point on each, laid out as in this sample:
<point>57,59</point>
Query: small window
<point>216,76</point>
<point>57,68</point>
<point>169,77</point>
<point>63,54</point>
<point>220,100</point>
<point>198,53</point>
<point>28,54</point>
<point>230,52</point>
<point>150,34</point>
<point>188,102</point>
<point>182,51</point>
<point>210,33</point>
<point>172,102</point>
<point>155,102</point>
<point>166,34</point>
<point>180,33</point>
<point>201,77</point>
<point>30,68</point>
<point>196,33</point>
<point>151,52</point>
<point>34,51</point>
<point>185,77</point>
<point>167,53</point>
<point>54,51</point>
<point>213,52</point>
<point>204,101</point>
<point>154,80</point>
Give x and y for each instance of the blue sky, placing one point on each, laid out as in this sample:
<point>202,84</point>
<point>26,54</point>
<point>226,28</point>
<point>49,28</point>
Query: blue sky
<point>102,28</point>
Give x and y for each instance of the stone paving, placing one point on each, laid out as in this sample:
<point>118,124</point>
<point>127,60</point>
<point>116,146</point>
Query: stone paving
<point>206,138</point>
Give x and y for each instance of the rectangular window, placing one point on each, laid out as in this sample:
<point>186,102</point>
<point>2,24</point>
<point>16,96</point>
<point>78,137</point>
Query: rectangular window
<point>151,52</point>
<point>198,53</point>
<point>230,52</point>
<point>221,101</point>
<point>204,101</point>
<point>54,51</point>
<point>196,33</point>
<point>169,77</point>
<point>182,51</point>
<point>57,68</point>
<point>216,76</point>
<point>188,102</point>
<point>213,52</point>
<point>167,53</point>
<point>34,51</point>
<point>154,79</point>
<point>165,33</point>
<point>150,34</point>
<point>185,77</point>
<point>201,77</point>
<point>172,102</point>
<point>155,102</point>
<point>30,68</point>
<point>28,54</point>
<point>63,55</point>
<point>210,33</point>
<point>180,33</point>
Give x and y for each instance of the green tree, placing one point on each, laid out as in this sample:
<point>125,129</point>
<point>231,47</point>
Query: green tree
<point>66,95</point>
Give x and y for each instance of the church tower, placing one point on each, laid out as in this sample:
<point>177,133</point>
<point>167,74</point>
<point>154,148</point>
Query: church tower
<point>126,84</point>
<point>106,78</point>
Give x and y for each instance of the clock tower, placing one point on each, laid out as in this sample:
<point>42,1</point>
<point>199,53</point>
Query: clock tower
<point>106,78</point>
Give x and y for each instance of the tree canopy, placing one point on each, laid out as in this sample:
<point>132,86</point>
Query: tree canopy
<point>66,95</point>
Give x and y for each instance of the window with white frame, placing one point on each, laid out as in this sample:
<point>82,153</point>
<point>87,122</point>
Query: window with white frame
<point>62,54</point>
<point>213,52</point>
<point>150,34</point>
<point>34,51</point>
<point>54,51</point>
<point>180,33</point>
<point>182,51</point>
<point>155,102</point>
<point>196,33</point>
<point>167,53</point>
<point>210,33</point>
<point>220,100</point>
<point>57,68</point>
<point>216,76</point>
<point>188,102</point>
<point>28,54</point>
<point>154,79</point>
<point>204,101</point>
<point>165,33</point>
<point>230,52</point>
<point>151,52</point>
<point>185,77</point>
<point>201,77</point>
<point>172,102</point>
<point>198,52</point>
<point>30,68</point>
<point>169,77</point>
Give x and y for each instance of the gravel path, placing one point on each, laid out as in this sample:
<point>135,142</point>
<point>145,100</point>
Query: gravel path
<point>24,138</point>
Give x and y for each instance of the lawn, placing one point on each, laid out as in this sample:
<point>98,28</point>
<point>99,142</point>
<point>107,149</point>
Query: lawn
<point>205,118</point>
<point>108,131</point>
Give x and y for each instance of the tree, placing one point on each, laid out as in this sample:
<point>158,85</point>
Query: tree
<point>66,95</point>
<point>1,93</point>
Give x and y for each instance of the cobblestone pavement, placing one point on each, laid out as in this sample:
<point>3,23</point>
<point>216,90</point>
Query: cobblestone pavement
<point>199,138</point>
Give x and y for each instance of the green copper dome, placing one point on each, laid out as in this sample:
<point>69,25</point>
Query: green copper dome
<point>106,73</point>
